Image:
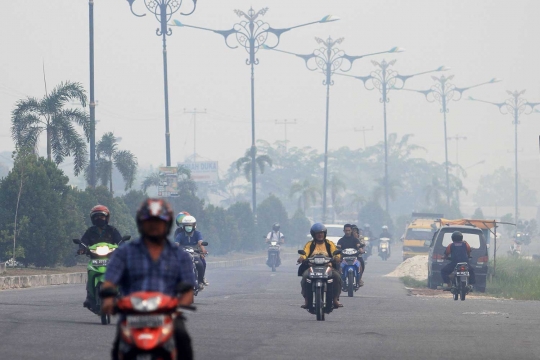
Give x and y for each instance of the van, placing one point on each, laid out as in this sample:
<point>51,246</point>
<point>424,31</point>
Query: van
<point>417,237</point>
<point>475,237</point>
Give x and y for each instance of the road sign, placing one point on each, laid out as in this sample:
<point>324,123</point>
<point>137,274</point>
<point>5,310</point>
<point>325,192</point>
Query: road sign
<point>202,171</point>
<point>168,181</point>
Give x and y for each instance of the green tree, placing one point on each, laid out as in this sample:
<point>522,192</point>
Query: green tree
<point>244,163</point>
<point>498,189</point>
<point>242,216</point>
<point>31,117</point>
<point>299,226</point>
<point>307,194</point>
<point>133,199</point>
<point>42,202</point>
<point>270,211</point>
<point>108,156</point>
<point>372,213</point>
<point>478,214</point>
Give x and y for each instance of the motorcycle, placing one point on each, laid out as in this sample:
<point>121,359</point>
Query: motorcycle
<point>384,248</point>
<point>515,249</point>
<point>99,255</point>
<point>319,278</point>
<point>350,268</point>
<point>195,254</point>
<point>367,248</point>
<point>460,281</point>
<point>147,325</point>
<point>273,255</point>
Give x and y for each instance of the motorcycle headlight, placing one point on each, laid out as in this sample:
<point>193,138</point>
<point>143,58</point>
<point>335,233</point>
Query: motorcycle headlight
<point>366,238</point>
<point>273,243</point>
<point>102,250</point>
<point>148,305</point>
<point>319,261</point>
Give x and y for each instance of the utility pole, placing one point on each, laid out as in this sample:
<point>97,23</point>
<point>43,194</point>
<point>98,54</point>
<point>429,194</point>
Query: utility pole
<point>285,123</point>
<point>363,130</point>
<point>457,137</point>
<point>194,113</point>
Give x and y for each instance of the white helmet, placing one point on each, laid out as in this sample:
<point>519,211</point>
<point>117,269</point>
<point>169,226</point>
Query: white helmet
<point>385,227</point>
<point>189,223</point>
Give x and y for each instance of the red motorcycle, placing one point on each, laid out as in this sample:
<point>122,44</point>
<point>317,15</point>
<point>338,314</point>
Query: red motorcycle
<point>147,331</point>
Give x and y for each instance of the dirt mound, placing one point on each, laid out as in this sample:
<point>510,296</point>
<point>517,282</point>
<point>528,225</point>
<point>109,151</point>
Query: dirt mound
<point>415,267</point>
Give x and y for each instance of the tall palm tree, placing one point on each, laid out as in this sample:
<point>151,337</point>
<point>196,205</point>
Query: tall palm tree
<point>108,156</point>
<point>307,193</point>
<point>245,163</point>
<point>31,117</point>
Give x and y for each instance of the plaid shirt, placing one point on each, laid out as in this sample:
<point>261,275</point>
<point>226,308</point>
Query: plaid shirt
<point>132,268</point>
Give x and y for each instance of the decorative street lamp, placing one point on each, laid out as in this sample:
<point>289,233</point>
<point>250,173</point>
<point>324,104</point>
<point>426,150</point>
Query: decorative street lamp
<point>443,92</point>
<point>515,106</point>
<point>385,79</point>
<point>328,59</point>
<point>163,10</point>
<point>252,33</point>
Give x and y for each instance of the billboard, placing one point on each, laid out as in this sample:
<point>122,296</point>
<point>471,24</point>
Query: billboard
<point>168,181</point>
<point>202,171</point>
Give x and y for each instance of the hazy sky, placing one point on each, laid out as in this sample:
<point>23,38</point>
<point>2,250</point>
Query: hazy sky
<point>478,39</point>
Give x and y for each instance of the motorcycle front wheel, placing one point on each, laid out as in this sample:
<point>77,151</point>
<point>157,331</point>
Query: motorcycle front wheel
<point>350,281</point>
<point>319,306</point>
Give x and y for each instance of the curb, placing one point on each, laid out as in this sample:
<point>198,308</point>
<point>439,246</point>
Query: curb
<point>19,282</point>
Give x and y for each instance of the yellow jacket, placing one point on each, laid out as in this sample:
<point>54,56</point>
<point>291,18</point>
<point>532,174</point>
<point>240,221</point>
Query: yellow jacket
<point>319,248</point>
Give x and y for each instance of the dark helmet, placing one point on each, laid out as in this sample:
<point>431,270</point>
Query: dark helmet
<point>155,209</point>
<point>317,228</point>
<point>457,236</point>
<point>276,227</point>
<point>99,210</point>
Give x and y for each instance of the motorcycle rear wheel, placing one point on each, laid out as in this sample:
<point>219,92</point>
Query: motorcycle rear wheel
<point>350,281</point>
<point>463,291</point>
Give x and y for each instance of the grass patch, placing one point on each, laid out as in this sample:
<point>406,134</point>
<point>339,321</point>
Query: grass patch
<point>412,282</point>
<point>516,279</point>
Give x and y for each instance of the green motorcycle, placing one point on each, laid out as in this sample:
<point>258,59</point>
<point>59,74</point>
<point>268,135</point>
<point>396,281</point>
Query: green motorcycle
<point>99,257</point>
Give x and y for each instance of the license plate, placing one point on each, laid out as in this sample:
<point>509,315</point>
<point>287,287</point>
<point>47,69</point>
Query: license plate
<point>100,262</point>
<point>462,273</point>
<point>145,321</point>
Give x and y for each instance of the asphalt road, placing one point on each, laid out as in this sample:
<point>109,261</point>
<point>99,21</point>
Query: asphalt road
<point>252,313</point>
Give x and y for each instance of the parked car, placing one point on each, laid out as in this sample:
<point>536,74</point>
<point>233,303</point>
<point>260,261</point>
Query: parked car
<point>474,236</point>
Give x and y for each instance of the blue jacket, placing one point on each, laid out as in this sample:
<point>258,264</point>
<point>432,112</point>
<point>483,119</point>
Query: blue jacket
<point>183,239</point>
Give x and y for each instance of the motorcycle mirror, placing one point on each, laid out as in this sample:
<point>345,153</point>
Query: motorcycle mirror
<point>204,243</point>
<point>301,252</point>
<point>76,241</point>
<point>126,238</point>
<point>337,252</point>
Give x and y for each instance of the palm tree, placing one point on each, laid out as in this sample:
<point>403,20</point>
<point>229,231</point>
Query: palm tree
<point>108,156</point>
<point>308,193</point>
<point>245,163</point>
<point>378,191</point>
<point>434,192</point>
<point>31,117</point>
<point>154,178</point>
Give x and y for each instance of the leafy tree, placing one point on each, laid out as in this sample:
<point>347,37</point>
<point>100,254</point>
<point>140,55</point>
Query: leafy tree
<point>133,199</point>
<point>478,214</point>
<point>42,202</point>
<point>244,163</point>
<point>498,189</point>
<point>307,194</point>
<point>299,226</point>
<point>270,211</point>
<point>372,213</point>
<point>242,216</point>
<point>108,156</point>
<point>31,117</point>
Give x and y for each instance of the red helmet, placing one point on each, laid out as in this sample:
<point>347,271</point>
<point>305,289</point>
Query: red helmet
<point>100,210</point>
<point>155,209</point>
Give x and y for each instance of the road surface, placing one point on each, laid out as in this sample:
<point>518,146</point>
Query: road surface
<point>252,313</point>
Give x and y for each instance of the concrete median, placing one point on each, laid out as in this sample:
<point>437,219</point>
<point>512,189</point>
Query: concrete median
<point>26,281</point>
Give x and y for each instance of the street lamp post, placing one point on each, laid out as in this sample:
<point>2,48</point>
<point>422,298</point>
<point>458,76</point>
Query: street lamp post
<point>443,92</point>
<point>252,33</point>
<point>163,10</point>
<point>328,59</point>
<point>515,106</point>
<point>92,99</point>
<point>385,79</point>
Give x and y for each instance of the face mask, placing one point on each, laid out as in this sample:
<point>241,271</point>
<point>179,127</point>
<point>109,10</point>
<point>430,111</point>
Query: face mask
<point>154,239</point>
<point>100,222</point>
<point>188,228</point>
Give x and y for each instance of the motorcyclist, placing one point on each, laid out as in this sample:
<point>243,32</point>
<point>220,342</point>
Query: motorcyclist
<point>100,231</point>
<point>151,263</point>
<point>178,219</point>
<point>384,234</point>
<point>349,241</point>
<point>357,234</point>
<point>319,245</point>
<point>275,235</point>
<point>368,235</point>
<point>458,251</point>
<point>189,236</point>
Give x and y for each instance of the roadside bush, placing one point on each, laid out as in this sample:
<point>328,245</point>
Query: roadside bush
<point>516,278</point>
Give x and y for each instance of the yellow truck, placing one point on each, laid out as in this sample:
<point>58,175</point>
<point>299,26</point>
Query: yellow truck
<point>418,234</point>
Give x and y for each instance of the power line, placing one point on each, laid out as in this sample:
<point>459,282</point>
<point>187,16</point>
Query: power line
<point>363,130</point>
<point>285,123</point>
<point>194,112</point>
